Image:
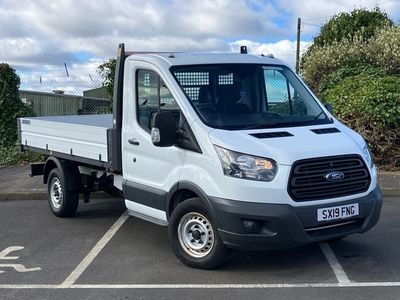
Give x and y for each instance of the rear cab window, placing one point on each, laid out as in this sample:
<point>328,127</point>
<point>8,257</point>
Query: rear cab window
<point>153,95</point>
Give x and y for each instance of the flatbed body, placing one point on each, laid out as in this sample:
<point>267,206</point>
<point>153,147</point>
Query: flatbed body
<point>82,137</point>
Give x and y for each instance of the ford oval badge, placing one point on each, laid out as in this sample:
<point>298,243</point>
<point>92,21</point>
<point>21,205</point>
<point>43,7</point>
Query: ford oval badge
<point>334,176</point>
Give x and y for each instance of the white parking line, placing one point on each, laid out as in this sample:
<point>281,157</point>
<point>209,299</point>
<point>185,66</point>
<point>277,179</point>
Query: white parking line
<point>28,286</point>
<point>236,286</point>
<point>334,263</point>
<point>207,286</point>
<point>73,277</point>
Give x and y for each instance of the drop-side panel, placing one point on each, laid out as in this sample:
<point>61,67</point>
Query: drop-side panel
<point>83,136</point>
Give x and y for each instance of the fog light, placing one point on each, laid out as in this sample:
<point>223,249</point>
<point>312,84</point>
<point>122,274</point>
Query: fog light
<point>252,226</point>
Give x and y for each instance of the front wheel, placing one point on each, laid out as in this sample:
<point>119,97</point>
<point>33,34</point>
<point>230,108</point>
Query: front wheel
<point>194,237</point>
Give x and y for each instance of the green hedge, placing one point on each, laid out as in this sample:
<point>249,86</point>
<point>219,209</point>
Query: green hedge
<point>360,76</point>
<point>11,106</point>
<point>12,156</point>
<point>380,52</point>
<point>370,104</point>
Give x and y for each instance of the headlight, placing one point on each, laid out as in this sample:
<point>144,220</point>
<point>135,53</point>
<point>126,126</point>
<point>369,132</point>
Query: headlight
<point>246,166</point>
<point>368,156</point>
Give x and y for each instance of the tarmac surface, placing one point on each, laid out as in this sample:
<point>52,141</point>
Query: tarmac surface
<point>102,253</point>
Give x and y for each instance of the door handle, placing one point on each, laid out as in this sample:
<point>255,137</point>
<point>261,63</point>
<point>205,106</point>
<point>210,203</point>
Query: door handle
<point>133,142</point>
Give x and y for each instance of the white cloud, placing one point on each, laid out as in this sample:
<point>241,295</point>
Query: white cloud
<point>98,26</point>
<point>35,35</point>
<point>284,49</point>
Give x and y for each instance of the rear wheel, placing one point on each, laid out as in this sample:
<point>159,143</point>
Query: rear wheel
<point>62,203</point>
<point>194,237</point>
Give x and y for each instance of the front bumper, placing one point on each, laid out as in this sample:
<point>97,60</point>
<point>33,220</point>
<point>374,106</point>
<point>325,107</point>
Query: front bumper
<point>284,226</point>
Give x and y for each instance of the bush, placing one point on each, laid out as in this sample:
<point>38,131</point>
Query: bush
<point>11,107</point>
<point>382,53</point>
<point>330,58</point>
<point>370,104</point>
<point>383,49</point>
<point>332,79</point>
<point>12,156</point>
<point>361,79</point>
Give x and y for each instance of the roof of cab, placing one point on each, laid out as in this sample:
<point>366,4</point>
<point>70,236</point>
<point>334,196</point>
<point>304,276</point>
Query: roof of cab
<point>191,58</point>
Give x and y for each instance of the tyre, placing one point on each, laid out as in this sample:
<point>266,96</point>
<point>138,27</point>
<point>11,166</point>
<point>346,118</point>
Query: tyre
<point>62,203</point>
<point>194,237</point>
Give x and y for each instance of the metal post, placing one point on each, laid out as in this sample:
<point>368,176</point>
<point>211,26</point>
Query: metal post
<point>298,46</point>
<point>66,69</point>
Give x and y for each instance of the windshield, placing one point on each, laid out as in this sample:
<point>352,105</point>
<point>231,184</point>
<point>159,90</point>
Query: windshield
<point>248,96</point>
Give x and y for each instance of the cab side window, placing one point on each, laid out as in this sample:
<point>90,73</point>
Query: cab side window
<point>152,96</point>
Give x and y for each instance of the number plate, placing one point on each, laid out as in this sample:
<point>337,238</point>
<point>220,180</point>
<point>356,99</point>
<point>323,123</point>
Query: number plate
<point>337,212</point>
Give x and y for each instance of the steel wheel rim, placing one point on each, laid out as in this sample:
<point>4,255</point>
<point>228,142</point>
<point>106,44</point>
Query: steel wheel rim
<point>196,235</point>
<point>56,193</point>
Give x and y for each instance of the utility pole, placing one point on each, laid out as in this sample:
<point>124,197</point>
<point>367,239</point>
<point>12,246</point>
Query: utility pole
<point>298,46</point>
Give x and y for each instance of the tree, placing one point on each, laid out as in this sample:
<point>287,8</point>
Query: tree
<point>357,26</point>
<point>350,40</point>
<point>11,106</point>
<point>107,72</point>
<point>358,23</point>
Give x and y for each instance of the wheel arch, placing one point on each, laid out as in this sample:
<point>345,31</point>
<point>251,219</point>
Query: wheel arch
<point>184,190</point>
<point>66,168</point>
<point>51,163</point>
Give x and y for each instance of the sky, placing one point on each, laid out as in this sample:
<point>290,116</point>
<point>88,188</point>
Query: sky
<point>37,37</point>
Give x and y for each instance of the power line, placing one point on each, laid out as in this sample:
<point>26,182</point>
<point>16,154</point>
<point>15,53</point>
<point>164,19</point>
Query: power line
<point>309,24</point>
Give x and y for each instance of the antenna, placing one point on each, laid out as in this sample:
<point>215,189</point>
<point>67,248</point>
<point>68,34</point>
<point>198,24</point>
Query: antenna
<point>243,49</point>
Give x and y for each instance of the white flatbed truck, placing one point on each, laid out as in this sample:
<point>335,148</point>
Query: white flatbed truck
<point>229,150</point>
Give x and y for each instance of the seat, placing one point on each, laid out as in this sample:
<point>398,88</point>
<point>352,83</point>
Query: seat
<point>228,96</point>
<point>205,95</point>
<point>206,101</point>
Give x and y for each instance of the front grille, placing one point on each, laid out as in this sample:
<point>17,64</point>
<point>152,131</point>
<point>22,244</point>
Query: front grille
<point>308,181</point>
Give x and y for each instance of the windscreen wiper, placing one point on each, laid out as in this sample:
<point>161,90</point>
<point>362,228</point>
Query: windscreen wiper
<point>316,118</point>
<point>260,126</point>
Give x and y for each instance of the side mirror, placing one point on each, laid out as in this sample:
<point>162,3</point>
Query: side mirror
<point>163,129</point>
<point>329,107</point>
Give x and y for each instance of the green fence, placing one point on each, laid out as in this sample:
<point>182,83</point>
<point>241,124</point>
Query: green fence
<point>52,104</point>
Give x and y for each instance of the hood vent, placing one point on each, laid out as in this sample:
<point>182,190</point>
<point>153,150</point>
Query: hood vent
<point>325,130</point>
<point>270,135</point>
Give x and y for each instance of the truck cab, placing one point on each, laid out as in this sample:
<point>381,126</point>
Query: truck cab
<point>229,150</point>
